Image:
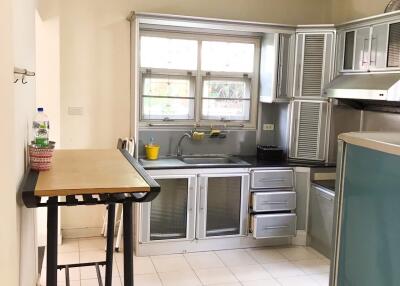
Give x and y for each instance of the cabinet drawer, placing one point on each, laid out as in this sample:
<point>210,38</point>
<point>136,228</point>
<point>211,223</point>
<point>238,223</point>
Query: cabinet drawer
<point>273,225</point>
<point>273,201</point>
<point>267,179</point>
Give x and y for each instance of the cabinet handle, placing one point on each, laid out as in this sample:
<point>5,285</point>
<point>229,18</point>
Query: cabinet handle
<point>201,198</point>
<point>276,227</point>
<point>375,50</point>
<point>275,203</point>
<point>363,51</point>
<point>272,180</point>
<point>191,203</point>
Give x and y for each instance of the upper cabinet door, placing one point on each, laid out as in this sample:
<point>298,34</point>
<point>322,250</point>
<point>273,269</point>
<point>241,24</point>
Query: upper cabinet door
<point>361,53</point>
<point>313,67</point>
<point>393,46</point>
<point>379,46</point>
<point>348,51</point>
<point>285,64</point>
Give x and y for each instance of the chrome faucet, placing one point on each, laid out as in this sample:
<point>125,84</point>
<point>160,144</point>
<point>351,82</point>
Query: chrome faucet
<point>179,149</point>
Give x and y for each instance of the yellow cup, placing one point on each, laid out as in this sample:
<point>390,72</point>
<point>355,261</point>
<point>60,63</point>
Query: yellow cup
<point>152,151</point>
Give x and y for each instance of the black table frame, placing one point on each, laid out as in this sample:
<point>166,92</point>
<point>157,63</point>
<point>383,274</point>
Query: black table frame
<point>126,199</point>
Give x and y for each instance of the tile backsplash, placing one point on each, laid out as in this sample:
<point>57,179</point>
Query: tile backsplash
<point>237,142</point>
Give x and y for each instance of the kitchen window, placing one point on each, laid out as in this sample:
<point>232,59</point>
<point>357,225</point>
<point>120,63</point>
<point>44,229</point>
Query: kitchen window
<point>203,79</point>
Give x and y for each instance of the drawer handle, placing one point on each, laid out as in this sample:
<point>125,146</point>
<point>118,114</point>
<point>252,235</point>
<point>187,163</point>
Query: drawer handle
<point>272,180</point>
<point>275,203</point>
<point>276,227</point>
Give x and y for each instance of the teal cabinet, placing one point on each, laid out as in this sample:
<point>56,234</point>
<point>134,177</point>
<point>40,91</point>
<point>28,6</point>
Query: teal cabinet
<point>367,251</point>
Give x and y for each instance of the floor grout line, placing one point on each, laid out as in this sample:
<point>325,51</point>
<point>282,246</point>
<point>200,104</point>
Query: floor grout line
<point>193,269</point>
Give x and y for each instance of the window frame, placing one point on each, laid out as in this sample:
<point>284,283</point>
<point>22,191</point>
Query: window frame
<point>160,74</point>
<point>199,76</point>
<point>248,82</point>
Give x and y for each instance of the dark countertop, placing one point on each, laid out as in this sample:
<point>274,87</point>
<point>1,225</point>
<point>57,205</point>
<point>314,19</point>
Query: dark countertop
<point>327,184</point>
<point>284,163</point>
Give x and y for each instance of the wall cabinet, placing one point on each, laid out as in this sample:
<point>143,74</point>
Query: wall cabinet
<point>313,63</point>
<point>309,129</point>
<point>285,66</point>
<point>196,207</point>
<point>370,48</point>
<point>276,67</point>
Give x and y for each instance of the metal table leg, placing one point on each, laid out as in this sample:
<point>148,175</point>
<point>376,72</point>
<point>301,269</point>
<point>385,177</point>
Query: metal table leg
<point>52,237</point>
<point>128,240</point>
<point>110,243</point>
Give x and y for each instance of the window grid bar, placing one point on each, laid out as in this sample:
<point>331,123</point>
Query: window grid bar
<point>226,98</point>
<point>161,96</point>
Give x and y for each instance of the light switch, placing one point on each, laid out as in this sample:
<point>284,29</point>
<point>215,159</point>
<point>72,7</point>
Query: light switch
<point>75,110</point>
<point>268,127</point>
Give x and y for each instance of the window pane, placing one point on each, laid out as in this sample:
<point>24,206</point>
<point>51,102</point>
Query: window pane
<point>153,86</point>
<point>226,56</point>
<point>225,89</point>
<point>226,109</point>
<point>172,108</point>
<point>157,52</point>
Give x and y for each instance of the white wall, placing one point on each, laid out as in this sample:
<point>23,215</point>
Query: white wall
<point>9,239</point>
<point>17,104</point>
<point>24,96</point>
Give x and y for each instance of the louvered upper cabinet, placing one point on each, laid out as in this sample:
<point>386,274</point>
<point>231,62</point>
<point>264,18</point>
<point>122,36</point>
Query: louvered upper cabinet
<point>370,48</point>
<point>309,129</point>
<point>313,64</point>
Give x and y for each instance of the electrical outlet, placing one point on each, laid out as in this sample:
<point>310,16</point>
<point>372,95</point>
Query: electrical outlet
<point>268,127</point>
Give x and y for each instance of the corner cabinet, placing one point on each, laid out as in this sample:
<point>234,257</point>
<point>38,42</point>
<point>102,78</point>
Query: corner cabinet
<point>309,129</point>
<point>313,64</point>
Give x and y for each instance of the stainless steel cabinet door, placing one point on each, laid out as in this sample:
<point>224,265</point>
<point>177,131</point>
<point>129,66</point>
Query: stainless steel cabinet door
<point>223,205</point>
<point>172,214</point>
<point>379,47</point>
<point>285,66</point>
<point>348,51</point>
<point>321,220</point>
<point>361,53</point>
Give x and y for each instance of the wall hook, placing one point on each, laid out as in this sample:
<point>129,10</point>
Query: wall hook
<point>15,81</point>
<point>23,80</point>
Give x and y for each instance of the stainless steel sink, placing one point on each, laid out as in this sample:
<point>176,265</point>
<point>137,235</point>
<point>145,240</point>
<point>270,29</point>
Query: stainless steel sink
<point>212,160</point>
<point>193,161</point>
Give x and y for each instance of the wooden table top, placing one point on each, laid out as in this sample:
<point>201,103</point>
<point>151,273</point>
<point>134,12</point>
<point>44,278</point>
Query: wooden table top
<point>77,172</point>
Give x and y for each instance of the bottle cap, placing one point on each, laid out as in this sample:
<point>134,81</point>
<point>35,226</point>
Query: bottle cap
<point>40,109</point>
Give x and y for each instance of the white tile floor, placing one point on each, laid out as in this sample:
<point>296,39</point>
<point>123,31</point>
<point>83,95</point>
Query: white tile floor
<point>279,266</point>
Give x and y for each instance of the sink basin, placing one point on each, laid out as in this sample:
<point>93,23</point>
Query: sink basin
<point>194,161</point>
<point>207,160</point>
<point>211,160</point>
